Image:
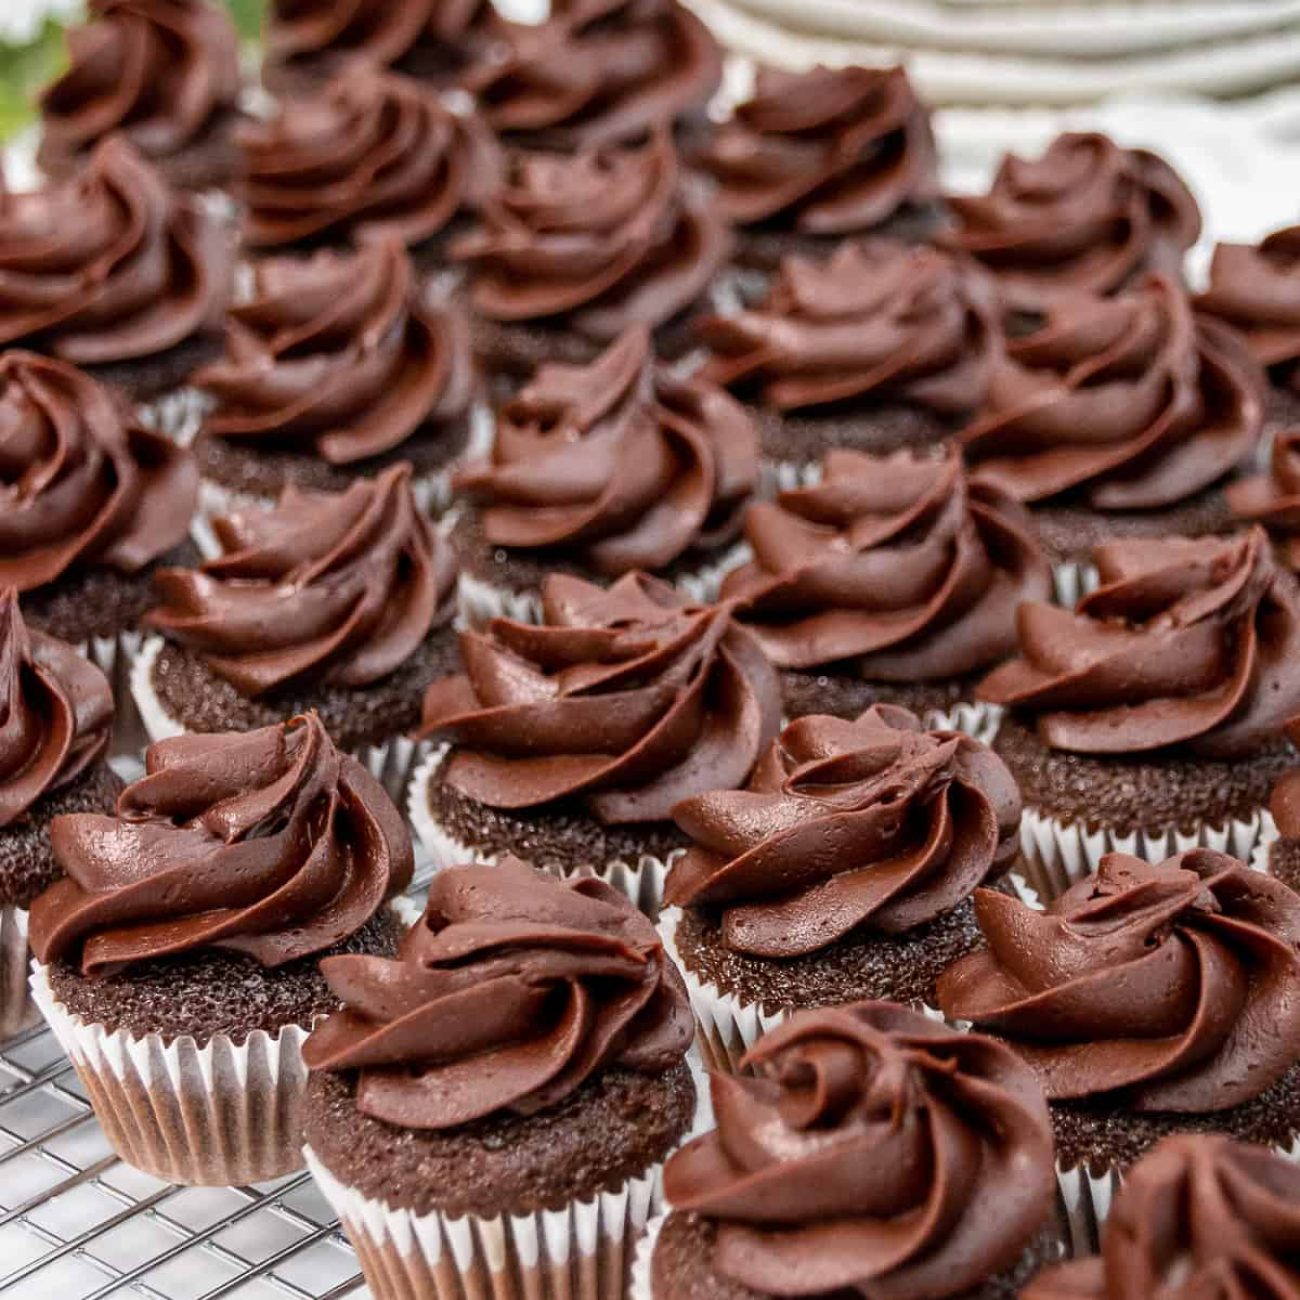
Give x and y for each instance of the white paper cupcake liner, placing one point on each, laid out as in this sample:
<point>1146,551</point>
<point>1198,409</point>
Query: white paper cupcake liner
<point>177,415</point>
<point>1071,582</point>
<point>17,1010</point>
<point>1060,854</point>
<point>640,1286</point>
<point>642,881</point>
<point>973,718</point>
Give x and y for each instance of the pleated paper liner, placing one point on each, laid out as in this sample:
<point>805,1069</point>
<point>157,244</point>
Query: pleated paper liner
<point>17,1010</point>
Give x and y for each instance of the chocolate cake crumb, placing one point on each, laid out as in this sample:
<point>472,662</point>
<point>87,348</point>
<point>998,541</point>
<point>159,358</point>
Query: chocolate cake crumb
<point>1284,862</point>
<point>146,378</point>
<point>764,246</point>
<point>844,694</point>
<point>877,427</point>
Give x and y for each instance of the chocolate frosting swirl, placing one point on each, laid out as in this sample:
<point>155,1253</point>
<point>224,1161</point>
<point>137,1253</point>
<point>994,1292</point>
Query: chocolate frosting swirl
<point>832,151</point>
<point>605,238</point>
<point>1176,985</point>
<point>619,461</point>
<point>1188,643</point>
<point>1284,802</point>
<point>109,265</point>
<point>372,153</point>
<point>1131,403</point>
<point>511,991</point>
<point>1273,499</point>
<point>269,843</point>
<point>1257,289</point>
<point>894,563</point>
<point>876,319</point>
<point>874,825</point>
<point>1201,1216</point>
<point>81,483</point>
<point>1087,216</point>
<point>877,1152</point>
<point>629,699</point>
<point>598,72</point>
<point>340,354</point>
<point>336,587</point>
<point>56,713</point>
<point>158,71</point>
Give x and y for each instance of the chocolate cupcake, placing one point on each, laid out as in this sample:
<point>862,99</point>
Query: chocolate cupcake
<point>306,42</point>
<point>92,502</point>
<point>598,72</point>
<point>1272,498</point>
<point>1256,288</point>
<point>1150,1000</point>
<point>877,348</point>
<point>163,73</point>
<point>177,962</point>
<point>338,365</point>
<point>812,157</point>
<point>1088,216</point>
<point>876,1153</point>
<point>1149,718</point>
<point>574,249</point>
<point>56,718</point>
<point>890,580</point>
<point>843,870</point>
<point>571,741</point>
<point>334,603</point>
<point>601,469</point>
<point>111,271</point>
<point>1119,418</point>
<point>371,153</point>
<point>489,1112</point>
<point>1280,856</point>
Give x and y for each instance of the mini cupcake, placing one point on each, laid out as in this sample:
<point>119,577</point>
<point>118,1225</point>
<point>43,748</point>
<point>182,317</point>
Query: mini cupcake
<point>815,156</point>
<point>1087,216</point>
<point>1281,856</point>
<point>1199,1216</point>
<point>876,1153</point>
<point>843,870</point>
<point>305,42</point>
<point>372,153</point>
<point>574,249</point>
<point>163,73</point>
<point>1150,1000</point>
<point>1272,498</point>
<point>1119,418</point>
<point>334,603</point>
<point>573,740</point>
<point>598,72</point>
<point>337,366</point>
<point>601,469</point>
<point>111,271</point>
<point>177,962</point>
<point>489,1113</point>
<point>92,502</point>
<point>1257,289</point>
<point>876,348</point>
<point>1150,717</point>
<point>56,717</point>
<point>892,579</point>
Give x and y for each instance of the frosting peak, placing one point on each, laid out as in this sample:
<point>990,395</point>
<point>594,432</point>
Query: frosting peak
<point>834,151</point>
<point>341,354</point>
<point>876,824</point>
<point>876,1153</point>
<point>80,482</point>
<point>511,991</point>
<point>1190,643</point>
<point>56,713</point>
<point>339,587</point>
<point>1176,985</point>
<point>629,698</point>
<point>894,564</point>
<point>1273,499</point>
<point>876,319</point>
<point>269,843</point>
<point>618,460</point>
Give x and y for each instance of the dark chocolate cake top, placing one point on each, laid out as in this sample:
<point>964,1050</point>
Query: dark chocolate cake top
<point>512,990</point>
<point>872,1150</point>
<point>1160,987</point>
<point>56,713</point>
<point>82,483</point>
<point>626,699</point>
<point>269,843</point>
<point>876,824</point>
<point>896,565</point>
<point>618,462</point>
